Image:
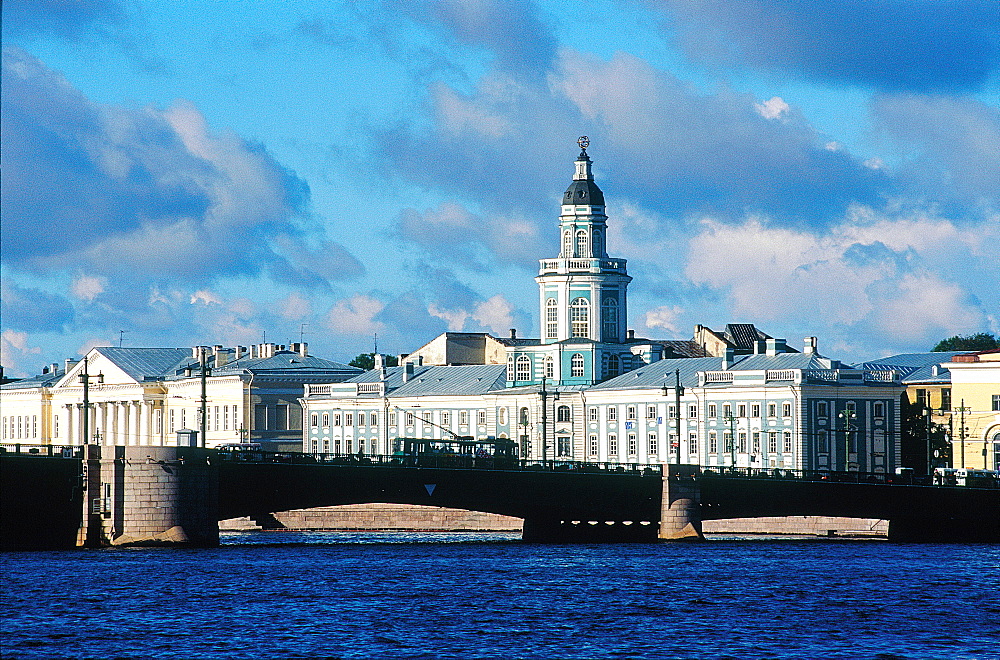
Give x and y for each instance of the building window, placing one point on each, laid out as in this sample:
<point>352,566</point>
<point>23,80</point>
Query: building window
<point>878,409</point>
<point>787,441</point>
<point>653,448</point>
<point>326,420</point>
<point>756,442</point>
<point>772,410</point>
<point>550,367</point>
<point>523,368</point>
<point>348,418</point>
<point>609,314</point>
<point>523,417</point>
<point>743,442</point>
<point>713,410</point>
<point>822,442</point>
<point>822,410</point>
<point>314,420</point>
<point>592,414</point>
<point>563,446</point>
<point>727,438</point>
<point>593,445</point>
<point>171,421</point>
<point>741,410</point>
<point>581,244</point>
<point>373,419</point>
<point>576,366</point>
<point>159,423</point>
<point>633,447</point>
<point>502,417</point>
<point>613,444</point>
<point>567,244</point>
<point>713,443</point>
<point>481,417</point>
<point>463,417</point>
<point>996,402</point>
<point>786,410</point>
<point>409,419</point>
<point>755,410</point>
<point>551,318</point>
<point>281,417</point>
<point>630,412</point>
<point>693,443</point>
<point>612,413</point>
<point>651,412</point>
<point>727,410</point>
<point>672,412</point>
<point>922,398</point>
<point>772,442</point>
<point>693,411</point>
<point>945,398</point>
<point>362,418</point>
<point>598,246</point>
<point>614,366</point>
<point>580,317</point>
<point>562,414</point>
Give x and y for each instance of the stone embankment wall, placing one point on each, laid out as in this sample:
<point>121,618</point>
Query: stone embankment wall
<point>402,517</point>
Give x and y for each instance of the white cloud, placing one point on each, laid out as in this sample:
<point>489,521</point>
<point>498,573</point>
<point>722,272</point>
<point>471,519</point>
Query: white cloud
<point>355,315</point>
<point>88,287</point>
<point>14,350</point>
<point>205,297</point>
<point>294,306</point>
<point>666,317</point>
<point>455,318</point>
<point>773,108</point>
<point>496,314</point>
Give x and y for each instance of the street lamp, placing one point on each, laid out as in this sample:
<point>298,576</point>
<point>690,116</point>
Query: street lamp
<point>962,428</point>
<point>848,416</point>
<point>732,438</point>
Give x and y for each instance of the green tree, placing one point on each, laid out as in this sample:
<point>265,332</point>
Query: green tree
<point>982,341</point>
<point>367,361</point>
<point>915,431</point>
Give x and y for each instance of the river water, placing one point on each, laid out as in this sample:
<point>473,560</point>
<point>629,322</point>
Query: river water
<point>269,594</point>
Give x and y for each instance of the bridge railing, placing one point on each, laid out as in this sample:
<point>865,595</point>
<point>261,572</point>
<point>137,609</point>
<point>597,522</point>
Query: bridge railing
<point>727,472</point>
<point>58,451</point>
<point>449,461</point>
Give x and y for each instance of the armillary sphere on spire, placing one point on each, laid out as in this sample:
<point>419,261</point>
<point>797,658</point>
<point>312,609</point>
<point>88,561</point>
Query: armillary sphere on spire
<point>584,142</point>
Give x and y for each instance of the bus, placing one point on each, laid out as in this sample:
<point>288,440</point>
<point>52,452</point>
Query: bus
<point>966,477</point>
<point>457,452</point>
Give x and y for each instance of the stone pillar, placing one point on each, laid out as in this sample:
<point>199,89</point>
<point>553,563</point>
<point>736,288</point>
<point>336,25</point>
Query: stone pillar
<point>161,496</point>
<point>70,437</point>
<point>680,504</point>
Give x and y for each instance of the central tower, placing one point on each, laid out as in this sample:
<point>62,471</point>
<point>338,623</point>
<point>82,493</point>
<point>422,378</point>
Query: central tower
<point>582,292</point>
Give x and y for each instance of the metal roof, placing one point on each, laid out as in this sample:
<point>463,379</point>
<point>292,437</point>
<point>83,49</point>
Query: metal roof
<point>41,380</point>
<point>917,367</point>
<point>432,380</point>
<point>286,363</point>
<point>144,363</point>
<point>662,373</point>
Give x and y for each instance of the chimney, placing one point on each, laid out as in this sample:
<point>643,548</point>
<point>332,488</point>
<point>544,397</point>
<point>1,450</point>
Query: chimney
<point>810,346</point>
<point>220,355</point>
<point>70,363</point>
<point>513,333</point>
<point>729,358</point>
<point>195,352</point>
<point>303,349</point>
<point>631,334</point>
<point>45,370</point>
<point>935,370</point>
<point>407,371</point>
<point>759,347</point>
<point>379,360</point>
<point>775,346</point>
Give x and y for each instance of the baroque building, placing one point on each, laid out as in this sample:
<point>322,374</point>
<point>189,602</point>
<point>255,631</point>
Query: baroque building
<point>588,390</point>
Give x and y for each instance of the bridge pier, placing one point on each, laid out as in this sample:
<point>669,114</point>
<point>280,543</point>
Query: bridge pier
<point>680,504</point>
<point>152,496</point>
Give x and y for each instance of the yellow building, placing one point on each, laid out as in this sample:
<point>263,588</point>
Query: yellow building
<point>975,383</point>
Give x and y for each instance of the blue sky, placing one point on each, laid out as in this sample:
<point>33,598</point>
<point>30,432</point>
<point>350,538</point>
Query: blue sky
<point>220,172</point>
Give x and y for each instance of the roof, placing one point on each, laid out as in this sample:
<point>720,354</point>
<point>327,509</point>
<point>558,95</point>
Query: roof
<point>917,367</point>
<point>432,380</point>
<point>286,363</point>
<point>144,363</point>
<point>41,380</point>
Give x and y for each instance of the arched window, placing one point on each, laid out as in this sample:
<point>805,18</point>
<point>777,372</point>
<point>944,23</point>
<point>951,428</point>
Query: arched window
<point>523,371</point>
<point>580,317</point>
<point>576,366</point>
<point>609,319</point>
<point>502,414</point>
<point>550,367</point>
<point>510,367</point>
<point>523,417</point>
<point>582,244</point>
<point>562,414</point>
<point>326,419</point>
<point>314,420</point>
<point>551,318</point>
<point>614,366</point>
<point>567,244</point>
<point>598,244</point>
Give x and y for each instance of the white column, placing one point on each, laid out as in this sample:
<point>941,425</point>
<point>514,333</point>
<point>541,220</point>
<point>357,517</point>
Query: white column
<point>70,440</point>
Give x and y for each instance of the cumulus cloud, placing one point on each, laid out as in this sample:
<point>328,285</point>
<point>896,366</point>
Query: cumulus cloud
<point>925,46</point>
<point>88,287</point>
<point>145,193</point>
<point>355,315</point>
<point>666,317</point>
<point>872,280</point>
<point>15,353</point>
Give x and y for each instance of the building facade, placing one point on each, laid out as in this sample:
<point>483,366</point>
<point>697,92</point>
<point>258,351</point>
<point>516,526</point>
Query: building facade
<point>145,396</point>
<point>975,383</point>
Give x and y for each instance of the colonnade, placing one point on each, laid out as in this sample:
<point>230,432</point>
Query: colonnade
<point>118,423</point>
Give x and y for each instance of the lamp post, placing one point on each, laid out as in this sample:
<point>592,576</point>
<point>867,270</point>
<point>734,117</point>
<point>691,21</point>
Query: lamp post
<point>962,429</point>
<point>678,392</point>
<point>732,438</point>
<point>848,416</point>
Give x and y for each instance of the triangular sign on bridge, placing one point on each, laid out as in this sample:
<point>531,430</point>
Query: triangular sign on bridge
<point>430,488</point>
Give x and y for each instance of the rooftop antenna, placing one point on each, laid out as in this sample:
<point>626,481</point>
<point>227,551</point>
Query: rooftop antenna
<point>376,343</point>
<point>302,330</point>
<point>121,337</point>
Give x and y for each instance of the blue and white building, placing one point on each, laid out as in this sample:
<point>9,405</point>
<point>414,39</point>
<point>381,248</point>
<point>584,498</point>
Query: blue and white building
<point>588,390</point>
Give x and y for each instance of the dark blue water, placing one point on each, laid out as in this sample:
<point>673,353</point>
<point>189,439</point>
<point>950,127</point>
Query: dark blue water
<point>353,595</point>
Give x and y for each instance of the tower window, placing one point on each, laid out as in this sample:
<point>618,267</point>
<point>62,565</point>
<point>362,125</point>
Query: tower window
<point>567,244</point>
<point>523,368</point>
<point>582,244</point>
<point>598,246</point>
<point>550,368</point>
<point>609,314</point>
<point>614,366</point>
<point>580,317</point>
<point>551,319</point>
<point>576,366</point>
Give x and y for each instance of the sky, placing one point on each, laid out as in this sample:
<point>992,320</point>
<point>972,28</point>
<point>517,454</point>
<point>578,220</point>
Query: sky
<point>203,172</point>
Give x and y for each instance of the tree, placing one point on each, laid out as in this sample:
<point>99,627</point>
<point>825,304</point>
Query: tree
<point>982,341</point>
<point>916,430</point>
<point>366,361</point>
